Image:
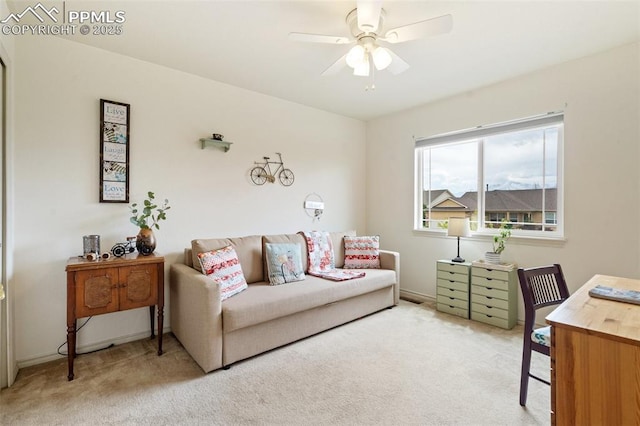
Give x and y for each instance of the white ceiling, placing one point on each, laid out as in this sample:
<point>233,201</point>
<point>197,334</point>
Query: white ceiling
<point>245,44</point>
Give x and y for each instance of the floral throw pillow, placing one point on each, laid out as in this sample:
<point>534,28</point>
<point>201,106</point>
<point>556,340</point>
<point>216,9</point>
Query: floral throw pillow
<point>362,252</point>
<point>284,263</point>
<point>320,248</point>
<point>223,267</point>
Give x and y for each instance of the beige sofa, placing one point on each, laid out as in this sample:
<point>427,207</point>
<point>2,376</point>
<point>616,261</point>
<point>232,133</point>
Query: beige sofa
<point>217,334</point>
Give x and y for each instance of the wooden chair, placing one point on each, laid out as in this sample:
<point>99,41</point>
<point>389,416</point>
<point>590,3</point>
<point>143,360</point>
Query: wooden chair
<point>541,287</point>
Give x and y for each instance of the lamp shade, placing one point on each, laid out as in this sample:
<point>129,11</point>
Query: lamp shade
<point>362,69</point>
<point>459,227</point>
<point>355,56</point>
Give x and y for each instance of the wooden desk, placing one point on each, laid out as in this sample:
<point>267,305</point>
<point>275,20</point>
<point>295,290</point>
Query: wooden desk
<point>117,284</point>
<point>595,358</point>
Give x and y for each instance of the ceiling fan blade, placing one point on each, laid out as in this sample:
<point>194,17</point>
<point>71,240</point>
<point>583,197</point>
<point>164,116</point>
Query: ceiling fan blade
<point>318,38</point>
<point>430,27</point>
<point>397,64</point>
<point>337,66</point>
<point>369,15</point>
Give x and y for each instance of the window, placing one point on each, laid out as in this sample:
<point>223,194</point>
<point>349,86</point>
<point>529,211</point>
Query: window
<point>491,174</point>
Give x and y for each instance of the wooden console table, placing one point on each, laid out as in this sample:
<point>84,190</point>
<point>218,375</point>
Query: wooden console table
<point>116,284</point>
<point>595,358</point>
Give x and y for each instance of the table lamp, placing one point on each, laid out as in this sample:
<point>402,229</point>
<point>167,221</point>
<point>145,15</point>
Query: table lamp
<point>458,227</point>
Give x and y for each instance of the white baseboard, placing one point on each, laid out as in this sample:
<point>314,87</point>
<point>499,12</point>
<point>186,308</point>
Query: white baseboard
<point>88,348</point>
<point>416,297</point>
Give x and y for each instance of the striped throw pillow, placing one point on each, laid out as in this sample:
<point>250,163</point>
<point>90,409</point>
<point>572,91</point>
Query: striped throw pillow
<point>362,252</point>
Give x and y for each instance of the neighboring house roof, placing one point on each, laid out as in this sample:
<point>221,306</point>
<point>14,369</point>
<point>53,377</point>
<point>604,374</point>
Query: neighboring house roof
<point>437,197</point>
<point>519,200</point>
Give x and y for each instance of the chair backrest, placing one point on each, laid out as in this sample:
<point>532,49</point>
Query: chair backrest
<point>541,286</point>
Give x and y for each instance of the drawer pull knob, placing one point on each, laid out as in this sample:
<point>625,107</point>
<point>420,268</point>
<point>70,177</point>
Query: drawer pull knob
<point>489,307</point>
<point>489,288</point>
<point>451,281</point>
<point>489,279</point>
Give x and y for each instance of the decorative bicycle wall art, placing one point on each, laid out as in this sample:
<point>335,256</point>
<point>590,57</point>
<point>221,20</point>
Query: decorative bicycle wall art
<point>263,172</point>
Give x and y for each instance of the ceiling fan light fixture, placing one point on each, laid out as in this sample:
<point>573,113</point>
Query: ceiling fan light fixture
<point>356,56</point>
<point>362,69</point>
<point>381,58</point>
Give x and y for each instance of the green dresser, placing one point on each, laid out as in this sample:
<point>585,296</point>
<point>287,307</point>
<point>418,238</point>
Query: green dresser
<point>452,288</point>
<point>494,295</point>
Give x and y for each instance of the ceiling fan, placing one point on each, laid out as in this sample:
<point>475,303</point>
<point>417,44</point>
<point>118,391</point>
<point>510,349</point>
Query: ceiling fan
<point>366,25</point>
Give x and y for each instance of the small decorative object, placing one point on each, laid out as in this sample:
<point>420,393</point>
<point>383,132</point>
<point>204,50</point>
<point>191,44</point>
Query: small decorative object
<point>498,243</point>
<point>120,249</point>
<point>216,141</point>
<point>114,152</point>
<point>314,206</point>
<point>146,240</point>
<point>458,227</point>
<point>262,172</point>
<point>91,245</point>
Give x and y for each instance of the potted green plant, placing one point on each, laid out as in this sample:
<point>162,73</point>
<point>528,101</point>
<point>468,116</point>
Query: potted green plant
<point>146,217</point>
<point>499,241</point>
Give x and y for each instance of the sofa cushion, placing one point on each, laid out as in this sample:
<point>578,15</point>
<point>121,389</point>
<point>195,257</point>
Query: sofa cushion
<point>284,263</point>
<point>248,249</point>
<point>223,267</point>
<point>283,239</point>
<point>263,302</point>
<point>362,252</point>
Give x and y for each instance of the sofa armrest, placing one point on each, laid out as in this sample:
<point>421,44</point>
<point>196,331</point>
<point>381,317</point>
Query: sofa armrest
<point>196,315</point>
<point>391,260</point>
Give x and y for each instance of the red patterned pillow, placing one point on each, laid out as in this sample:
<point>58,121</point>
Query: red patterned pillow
<point>362,252</point>
<point>223,267</point>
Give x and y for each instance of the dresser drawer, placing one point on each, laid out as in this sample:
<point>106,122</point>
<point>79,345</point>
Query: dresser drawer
<point>491,320</point>
<point>489,311</point>
<point>489,292</point>
<point>452,301</point>
<point>461,312</point>
<point>453,267</point>
<point>452,276</point>
<point>454,285</point>
<point>447,292</point>
<point>494,274</point>
<point>490,282</point>
<point>490,301</point>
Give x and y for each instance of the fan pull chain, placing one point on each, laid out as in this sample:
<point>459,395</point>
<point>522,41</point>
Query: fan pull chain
<point>372,72</point>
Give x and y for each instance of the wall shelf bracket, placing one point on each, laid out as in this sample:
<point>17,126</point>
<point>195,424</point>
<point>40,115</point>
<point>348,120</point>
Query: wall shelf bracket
<point>225,146</point>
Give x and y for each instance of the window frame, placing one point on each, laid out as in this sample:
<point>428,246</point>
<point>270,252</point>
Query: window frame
<point>549,120</point>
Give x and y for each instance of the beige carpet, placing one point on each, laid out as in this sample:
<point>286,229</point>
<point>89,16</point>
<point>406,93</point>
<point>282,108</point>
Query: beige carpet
<point>407,365</point>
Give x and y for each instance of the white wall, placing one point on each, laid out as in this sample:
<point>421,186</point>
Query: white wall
<point>600,97</point>
<point>59,84</point>
<point>8,367</point>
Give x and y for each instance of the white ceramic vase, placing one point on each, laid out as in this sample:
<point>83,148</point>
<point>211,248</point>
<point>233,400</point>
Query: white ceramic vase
<point>491,257</point>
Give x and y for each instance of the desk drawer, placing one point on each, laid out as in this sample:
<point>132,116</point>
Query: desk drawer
<point>491,320</point>
<point>450,309</point>
<point>491,274</point>
<point>454,285</point>
<point>447,292</point>
<point>452,301</point>
<point>452,276</point>
<point>490,301</point>
<point>490,282</point>
<point>452,267</point>
<point>490,292</point>
<point>489,311</point>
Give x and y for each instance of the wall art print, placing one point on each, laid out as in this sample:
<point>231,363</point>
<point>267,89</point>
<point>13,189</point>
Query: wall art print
<point>114,151</point>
